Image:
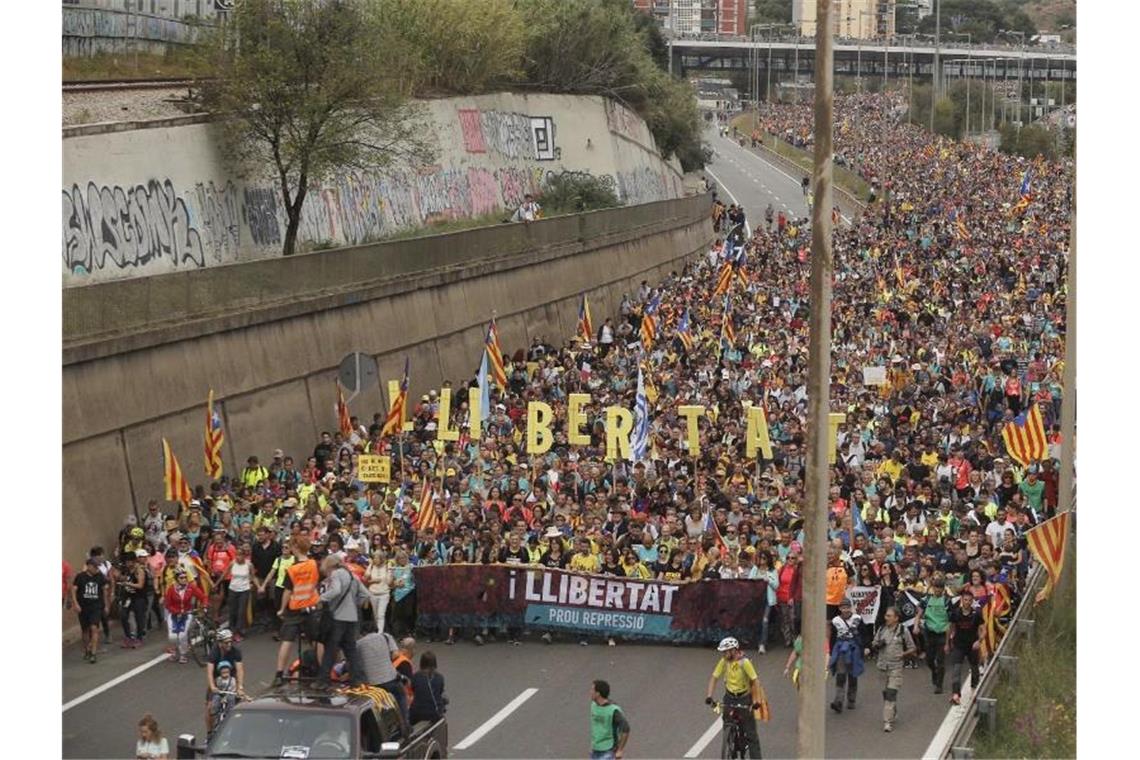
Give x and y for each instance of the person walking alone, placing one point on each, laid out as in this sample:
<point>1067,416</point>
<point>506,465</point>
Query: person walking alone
<point>609,730</point>
<point>894,645</point>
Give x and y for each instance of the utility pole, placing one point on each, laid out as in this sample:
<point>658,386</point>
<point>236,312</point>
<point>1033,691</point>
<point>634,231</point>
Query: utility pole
<point>811,739</point>
<point>935,72</point>
<point>1069,376</point>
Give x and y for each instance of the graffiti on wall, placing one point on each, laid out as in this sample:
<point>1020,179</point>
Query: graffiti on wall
<point>643,185</point>
<point>511,135</point>
<point>115,227</point>
<point>623,121</point>
<point>105,22</point>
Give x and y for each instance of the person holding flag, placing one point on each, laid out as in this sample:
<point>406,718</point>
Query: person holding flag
<point>394,422</point>
<point>214,439</point>
<point>585,328</point>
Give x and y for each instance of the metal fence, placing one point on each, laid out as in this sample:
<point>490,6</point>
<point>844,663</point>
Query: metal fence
<point>981,705</point>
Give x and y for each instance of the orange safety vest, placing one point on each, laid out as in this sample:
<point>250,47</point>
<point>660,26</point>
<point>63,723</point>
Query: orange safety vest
<point>305,577</point>
<point>399,660</point>
<point>836,584</point>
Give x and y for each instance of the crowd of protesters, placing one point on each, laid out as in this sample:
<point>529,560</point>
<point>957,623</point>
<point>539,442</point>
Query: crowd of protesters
<point>952,283</point>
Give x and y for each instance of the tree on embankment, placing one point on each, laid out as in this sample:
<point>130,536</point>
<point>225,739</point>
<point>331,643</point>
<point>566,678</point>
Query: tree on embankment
<point>310,87</point>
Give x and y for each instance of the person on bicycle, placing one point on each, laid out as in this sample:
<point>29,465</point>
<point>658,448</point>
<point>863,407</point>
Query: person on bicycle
<point>224,652</point>
<point>741,689</point>
<point>180,601</point>
<point>223,696</point>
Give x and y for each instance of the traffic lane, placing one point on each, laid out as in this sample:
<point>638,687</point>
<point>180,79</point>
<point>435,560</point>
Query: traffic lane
<point>660,687</point>
<point>105,726</point>
<point>754,182</point>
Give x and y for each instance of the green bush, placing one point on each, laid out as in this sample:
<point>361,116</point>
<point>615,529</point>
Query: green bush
<point>573,192</point>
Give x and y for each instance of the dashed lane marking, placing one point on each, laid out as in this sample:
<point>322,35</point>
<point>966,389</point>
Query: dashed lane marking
<point>497,718</point>
<point>706,737</point>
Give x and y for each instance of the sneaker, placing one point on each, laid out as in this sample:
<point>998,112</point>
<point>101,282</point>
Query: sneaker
<point>478,640</point>
<point>547,638</point>
<point>173,657</point>
<point>888,727</point>
<point>612,643</point>
<point>516,643</point>
<point>584,643</point>
<point>450,640</point>
<point>86,656</point>
<point>762,650</point>
<point>837,705</point>
<point>182,660</point>
<point>92,660</point>
<point>955,699</point>
<point>850,704</point>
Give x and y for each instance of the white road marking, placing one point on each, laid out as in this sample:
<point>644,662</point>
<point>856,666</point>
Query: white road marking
<point>497,718</point>
<point>115,682</point>
<point>716,179</point>
<point>950,724</point>
<point>706,737</point>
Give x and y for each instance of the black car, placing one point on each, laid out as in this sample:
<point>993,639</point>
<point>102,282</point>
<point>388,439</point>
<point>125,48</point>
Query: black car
<point>308,723</point>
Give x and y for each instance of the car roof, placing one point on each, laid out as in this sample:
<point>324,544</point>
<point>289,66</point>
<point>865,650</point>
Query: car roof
<point>309,696</point>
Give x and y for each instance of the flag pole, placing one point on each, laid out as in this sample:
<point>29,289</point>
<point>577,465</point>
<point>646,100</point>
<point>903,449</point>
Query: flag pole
<point>813,679</point>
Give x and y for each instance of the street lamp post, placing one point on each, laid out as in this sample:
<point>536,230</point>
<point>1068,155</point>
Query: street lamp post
<point>969,40</point>
<point>1020,61</point>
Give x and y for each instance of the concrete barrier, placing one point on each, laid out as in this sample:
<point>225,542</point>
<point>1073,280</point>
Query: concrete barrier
<point>267,336</point>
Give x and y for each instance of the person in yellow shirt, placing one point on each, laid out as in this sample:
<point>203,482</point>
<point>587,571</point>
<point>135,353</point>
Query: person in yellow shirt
<point>741,689</point>
<point>891,467</point>
<point>584,560</point>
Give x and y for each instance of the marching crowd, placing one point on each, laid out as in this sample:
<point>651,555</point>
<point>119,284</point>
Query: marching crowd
<point>951,286</point>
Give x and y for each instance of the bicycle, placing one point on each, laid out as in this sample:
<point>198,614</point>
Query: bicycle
<point>229,699</point>
<point>202,634</point>
<point>734,743</point>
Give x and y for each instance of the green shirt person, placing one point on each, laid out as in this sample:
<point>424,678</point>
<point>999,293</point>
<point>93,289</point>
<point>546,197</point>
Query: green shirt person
<point>609,730</point>
<point>1033,491</point>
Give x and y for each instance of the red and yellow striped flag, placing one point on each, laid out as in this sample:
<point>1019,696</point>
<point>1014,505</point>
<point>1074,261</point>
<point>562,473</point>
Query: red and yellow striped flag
<point>1025,437</point>
<point>426,516</point>
<point>177,489</point>
<point>724,279</point>
<point>214,439</point>
<point>1048,542</point>
<point>495,363</point>
<point>344,422</point>
<point>992,629</point>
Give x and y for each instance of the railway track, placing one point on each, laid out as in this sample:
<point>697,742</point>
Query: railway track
<point>129,84</point>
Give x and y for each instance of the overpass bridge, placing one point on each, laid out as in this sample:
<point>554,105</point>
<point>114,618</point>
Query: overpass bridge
<point>873,58</point>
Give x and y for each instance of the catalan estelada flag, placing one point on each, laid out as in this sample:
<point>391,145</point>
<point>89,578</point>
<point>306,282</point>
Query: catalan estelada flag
<point>177,489</point>
<point>649,321</point>
<point>344,422</point>
<point>685,331</point>
<point>727,331</point>
<point>214,439</point>
<point>495,357</point>
<point>998,607</point>
<point>1025,437</point>
<point>585,329</point>
<point>394,422</point>
<point>1048,542</point>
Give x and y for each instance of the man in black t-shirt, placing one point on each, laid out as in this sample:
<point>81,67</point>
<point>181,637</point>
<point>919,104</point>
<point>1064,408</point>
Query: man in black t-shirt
<point>514,553</point>
<point>90,599</point>
<point>963,644</point>
<point>265,552</point>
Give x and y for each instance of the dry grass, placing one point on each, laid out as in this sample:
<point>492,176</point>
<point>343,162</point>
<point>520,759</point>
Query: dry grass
<point>128,66</point>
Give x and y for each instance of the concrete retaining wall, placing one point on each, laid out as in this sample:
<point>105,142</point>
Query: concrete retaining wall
<point>89,31</point>
<point>267,336</point>
<point>141,202</point>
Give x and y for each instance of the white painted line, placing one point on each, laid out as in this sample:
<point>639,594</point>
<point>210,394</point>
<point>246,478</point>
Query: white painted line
<point>950,724</point>
<point>115,682</point>
<point>724,187</point>
<point>496,719</point>
<point>706,737</point>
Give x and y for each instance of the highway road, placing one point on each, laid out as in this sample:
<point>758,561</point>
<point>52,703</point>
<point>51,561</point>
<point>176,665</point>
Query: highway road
<point>530,701</point>
<point>752,182</point>
<point>540,693</point>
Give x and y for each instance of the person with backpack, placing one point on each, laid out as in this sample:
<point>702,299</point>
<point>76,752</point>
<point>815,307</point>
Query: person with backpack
<point>343,595</point>
<point>894,645</point>
<point>429,702</point>
<point>933,621</point>
<point>609,729</point>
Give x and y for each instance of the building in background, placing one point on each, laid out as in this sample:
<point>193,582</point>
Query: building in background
<point>175,9</point>
<point>853,19</point>
<point>694,17</point>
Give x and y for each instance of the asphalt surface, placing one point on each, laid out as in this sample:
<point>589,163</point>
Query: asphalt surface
<point>661,688</point>
<point>752,182</point>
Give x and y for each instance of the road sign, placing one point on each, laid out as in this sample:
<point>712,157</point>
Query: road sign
<point>374,468</point>
<point>358,372</point>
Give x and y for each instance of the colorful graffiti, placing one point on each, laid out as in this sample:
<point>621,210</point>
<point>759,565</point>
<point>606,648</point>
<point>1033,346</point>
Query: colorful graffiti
<point>512,135</point>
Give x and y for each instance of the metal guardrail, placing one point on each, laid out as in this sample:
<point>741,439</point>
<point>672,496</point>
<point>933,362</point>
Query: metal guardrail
<point>981,705</point>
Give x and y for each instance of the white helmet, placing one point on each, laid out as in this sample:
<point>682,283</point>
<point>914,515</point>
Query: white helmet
<point>225,634</point>
<point>728,644</point>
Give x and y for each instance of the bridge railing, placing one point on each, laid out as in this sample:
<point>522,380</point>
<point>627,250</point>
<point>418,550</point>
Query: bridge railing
<point>980,704</point>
